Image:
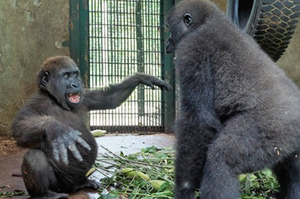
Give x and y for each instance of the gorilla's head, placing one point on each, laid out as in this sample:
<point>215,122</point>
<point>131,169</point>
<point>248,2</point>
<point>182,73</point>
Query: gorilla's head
<point>60,78</point>
<point>184,18</point>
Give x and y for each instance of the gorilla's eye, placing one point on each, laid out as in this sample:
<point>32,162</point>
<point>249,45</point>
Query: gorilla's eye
<point>76,74</point>
<point>66,75</point>
<point>188,20</point>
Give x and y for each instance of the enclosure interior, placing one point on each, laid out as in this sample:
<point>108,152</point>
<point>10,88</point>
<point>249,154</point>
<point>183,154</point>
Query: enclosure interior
<point>124,37</point>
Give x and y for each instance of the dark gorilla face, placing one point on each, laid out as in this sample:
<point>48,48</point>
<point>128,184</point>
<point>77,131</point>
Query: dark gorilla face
<point>183,19</point>
<point>71,79</point>
<point>178,27</point>
<point>60,78</point>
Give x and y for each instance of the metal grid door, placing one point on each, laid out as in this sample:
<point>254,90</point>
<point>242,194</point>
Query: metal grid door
<point>124,38</point>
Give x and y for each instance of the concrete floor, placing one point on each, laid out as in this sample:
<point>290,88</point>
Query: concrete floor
<point>11,159</point>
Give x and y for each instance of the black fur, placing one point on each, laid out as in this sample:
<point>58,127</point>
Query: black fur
<point>238,112</point>
<point>54,127</point>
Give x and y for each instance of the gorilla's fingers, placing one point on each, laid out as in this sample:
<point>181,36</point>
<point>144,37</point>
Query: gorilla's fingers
<point>75,138</point>
<point>83,143</point>
<point>169,87</point>
<point>152,86</point>
<point>72,147</point>
<point>149,83</point>
<point>55,152</point>
<point>75,152</point>
<point>63,153</point>
<point>165,86</point>
<point>162,84</point>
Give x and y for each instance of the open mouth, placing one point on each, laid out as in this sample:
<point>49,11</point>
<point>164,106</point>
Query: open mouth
<point>74,98</point>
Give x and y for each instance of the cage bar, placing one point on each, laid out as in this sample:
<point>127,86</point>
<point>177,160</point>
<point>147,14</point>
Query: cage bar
<point>124,38</point>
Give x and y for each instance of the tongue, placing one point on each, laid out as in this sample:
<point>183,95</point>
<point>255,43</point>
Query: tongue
<point>74,98</point>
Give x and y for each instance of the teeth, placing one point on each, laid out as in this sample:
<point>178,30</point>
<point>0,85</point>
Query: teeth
<point>74,97</point>
<point>71,94</point>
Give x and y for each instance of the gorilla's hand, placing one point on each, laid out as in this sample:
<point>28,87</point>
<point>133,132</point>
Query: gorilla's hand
<point>150,81</point>
<point>63,138</point>
<point>66,141</point>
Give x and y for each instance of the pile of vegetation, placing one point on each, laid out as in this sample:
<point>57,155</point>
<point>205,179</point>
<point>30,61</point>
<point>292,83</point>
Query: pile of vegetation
<point>9,194</point>
<point>149,174</point>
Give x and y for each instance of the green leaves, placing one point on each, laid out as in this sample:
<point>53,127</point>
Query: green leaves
<point>258,185</point>
<point>8,194</point>
<point>149,174</point>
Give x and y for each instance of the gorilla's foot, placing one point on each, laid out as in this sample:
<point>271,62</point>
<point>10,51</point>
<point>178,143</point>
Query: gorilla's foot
<point>90,184</point>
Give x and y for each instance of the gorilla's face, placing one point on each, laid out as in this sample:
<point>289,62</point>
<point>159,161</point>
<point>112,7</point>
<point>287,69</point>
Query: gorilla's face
<point>178,27</point>
<point>183,19</point>
<point>61,79</point>
<point>71,79</point>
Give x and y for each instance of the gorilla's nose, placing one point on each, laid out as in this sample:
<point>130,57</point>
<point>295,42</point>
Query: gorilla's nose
<point>75,84</point>
<point>169,46</point>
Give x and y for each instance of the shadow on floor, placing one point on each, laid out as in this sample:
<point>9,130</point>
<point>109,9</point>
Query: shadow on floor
<point>11,158</point>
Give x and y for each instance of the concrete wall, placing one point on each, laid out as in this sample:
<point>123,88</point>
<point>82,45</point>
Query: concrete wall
<point>290,61</point>
<point>30,31</point>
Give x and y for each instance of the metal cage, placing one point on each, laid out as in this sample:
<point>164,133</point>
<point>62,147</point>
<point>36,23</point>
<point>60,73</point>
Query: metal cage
<point>123,37</point>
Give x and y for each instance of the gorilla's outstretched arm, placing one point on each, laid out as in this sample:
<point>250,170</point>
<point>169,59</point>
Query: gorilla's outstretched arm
<point>114,95</point>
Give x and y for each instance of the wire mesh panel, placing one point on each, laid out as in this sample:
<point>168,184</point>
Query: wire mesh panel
<point>124,38</point>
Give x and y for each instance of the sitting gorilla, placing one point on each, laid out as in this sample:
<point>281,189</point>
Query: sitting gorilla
<point>238,111</point>
<point>52,125</point>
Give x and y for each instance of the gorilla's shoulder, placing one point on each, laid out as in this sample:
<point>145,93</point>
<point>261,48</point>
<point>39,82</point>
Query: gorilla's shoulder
<point>38,104</point>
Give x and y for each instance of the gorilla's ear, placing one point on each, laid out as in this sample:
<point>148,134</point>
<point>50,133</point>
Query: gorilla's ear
<point>45,78</point>
<point>187,19</point>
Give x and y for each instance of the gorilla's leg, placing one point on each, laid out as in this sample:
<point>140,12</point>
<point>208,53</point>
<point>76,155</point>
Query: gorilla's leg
<point>38,175</point>
<point>240,148</point>
<point>192,142</point>
<point>189,169</point>
<point>288,176</point>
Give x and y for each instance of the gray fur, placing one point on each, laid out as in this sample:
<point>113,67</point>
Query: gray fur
<point>238,112</point>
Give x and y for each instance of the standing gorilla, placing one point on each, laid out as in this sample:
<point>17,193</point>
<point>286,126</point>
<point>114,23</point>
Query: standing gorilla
<point>52,124</point>
<point>238,111</point>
